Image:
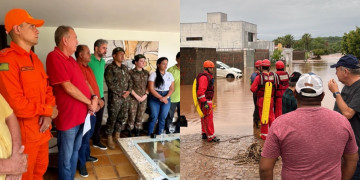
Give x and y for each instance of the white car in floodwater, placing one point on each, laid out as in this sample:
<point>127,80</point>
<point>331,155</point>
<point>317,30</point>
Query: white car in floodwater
<point>223,70</point>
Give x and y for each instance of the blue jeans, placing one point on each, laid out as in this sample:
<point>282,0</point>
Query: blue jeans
<point>84,151</point>
<point>158,111</point>
<point>69,143</point>
<point>170,116</point>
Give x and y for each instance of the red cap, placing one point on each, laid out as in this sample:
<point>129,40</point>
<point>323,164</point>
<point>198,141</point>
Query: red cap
<point>17,17</point>
<point>279,65</point>
<point>265,63</point>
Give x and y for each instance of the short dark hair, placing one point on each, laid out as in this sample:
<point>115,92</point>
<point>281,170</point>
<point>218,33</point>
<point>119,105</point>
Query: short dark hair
<point>99,42</point>
<point>178,55</point>
<point>309,100</point>
<point>60,32</point>
<point>79,49</point>
<point>292,84</point>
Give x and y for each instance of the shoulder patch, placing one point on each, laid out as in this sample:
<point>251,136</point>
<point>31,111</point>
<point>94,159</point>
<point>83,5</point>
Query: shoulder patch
<point>4,66</point>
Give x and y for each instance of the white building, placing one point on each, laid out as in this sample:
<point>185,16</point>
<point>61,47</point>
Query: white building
<point>221,34</point>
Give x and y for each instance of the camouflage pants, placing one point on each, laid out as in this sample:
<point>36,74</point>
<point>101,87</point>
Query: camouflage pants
<point>136,113</point>
<point>118,114</point>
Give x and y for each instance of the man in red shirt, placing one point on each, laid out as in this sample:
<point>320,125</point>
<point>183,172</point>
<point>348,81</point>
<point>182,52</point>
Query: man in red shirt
<point>205,94</point>
<point>82,55</point>
<point>24,85</point>
<point>73,99</point>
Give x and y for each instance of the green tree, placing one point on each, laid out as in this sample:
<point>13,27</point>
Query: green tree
<point>306,40</point>
<point>350,43</point>
<point>276,56</point>
<point>318,43</point>
<point>319,52</point>
<point>278,40</point>
<point>288,41</point>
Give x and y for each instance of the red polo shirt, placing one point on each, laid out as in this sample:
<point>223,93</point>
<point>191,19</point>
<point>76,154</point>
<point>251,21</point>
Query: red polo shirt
<point>60,69</point>
<point>90,78</point>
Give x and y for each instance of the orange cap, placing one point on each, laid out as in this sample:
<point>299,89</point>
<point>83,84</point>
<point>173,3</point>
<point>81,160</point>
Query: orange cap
<point>18,16</point>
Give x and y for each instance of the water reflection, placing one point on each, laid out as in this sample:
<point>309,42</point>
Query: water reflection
<point>233,99</point>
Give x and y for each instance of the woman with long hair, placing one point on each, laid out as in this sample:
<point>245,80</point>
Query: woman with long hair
<point>161,86</point>
<point>139,94</point>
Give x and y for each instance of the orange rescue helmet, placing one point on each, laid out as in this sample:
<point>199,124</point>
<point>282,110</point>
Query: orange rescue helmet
<point>208,64</point>
<point>279,64</point>
<point>265,63</point>
<point>258,63</point>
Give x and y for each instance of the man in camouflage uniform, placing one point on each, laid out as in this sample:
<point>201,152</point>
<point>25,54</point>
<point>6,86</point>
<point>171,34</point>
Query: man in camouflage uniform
<point>138,100</point>
<point>118,81</point>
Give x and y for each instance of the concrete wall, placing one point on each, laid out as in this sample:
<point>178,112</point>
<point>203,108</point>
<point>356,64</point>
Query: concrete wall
<point>299,55</point>
<point>216,17</point>
<point>168,41</point>
<point>231,58</point>
<point>262,45</point>
<point>217,33</point>
<point>288,55</point>
<point>261,54</point>
<point>192,60</point>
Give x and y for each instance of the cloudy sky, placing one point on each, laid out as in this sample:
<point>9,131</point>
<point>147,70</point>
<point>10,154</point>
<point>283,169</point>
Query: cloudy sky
<point>280,17</point>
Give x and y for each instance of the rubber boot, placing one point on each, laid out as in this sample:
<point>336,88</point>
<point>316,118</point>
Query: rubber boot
<point>137,132</point>
<point>203,136</point>
<point>110,142</point>
<point>130,133</point>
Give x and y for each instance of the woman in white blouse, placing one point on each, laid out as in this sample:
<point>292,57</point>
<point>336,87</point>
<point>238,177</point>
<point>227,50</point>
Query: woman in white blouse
<point>161,86</point>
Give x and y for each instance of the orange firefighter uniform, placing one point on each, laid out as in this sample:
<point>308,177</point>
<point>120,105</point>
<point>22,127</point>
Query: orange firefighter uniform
<point>24,85</point>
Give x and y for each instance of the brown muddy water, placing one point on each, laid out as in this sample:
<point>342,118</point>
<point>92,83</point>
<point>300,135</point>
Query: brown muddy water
<point>233,99</point>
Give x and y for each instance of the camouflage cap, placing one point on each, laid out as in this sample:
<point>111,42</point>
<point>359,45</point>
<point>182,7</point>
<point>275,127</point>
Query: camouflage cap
<point>118,49</point>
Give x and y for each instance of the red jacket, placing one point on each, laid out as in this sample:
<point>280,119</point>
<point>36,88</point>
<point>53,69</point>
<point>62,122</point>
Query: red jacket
<point>205,86</point>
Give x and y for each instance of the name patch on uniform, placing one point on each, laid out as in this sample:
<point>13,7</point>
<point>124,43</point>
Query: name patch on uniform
<point>27,68</point>
<point>4,66</point>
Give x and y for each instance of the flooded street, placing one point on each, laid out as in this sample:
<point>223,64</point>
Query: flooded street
<point>234,126</point>
<point>233,99</point>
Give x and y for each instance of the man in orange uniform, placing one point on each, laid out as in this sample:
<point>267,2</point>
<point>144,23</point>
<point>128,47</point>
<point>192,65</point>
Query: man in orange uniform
<point>24,85</point>
<point>282,83</point>
<point>205,94</point>
<point>258,87</point>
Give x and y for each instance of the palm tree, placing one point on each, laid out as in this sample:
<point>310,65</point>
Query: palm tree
<point>288,40</point>
<point>306,40</point>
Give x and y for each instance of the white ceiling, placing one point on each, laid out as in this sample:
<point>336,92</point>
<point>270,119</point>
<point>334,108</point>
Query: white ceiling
<point>139,15</point>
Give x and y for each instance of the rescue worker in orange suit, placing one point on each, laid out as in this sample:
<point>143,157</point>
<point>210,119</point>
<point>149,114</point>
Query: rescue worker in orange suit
<point>258,87</point>
<point>205,94</point>
<point>256,118</point>
<point>24,85</point>
<point>282,83</point>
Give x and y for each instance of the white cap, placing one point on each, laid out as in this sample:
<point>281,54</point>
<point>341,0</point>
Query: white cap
<point>310,81</point>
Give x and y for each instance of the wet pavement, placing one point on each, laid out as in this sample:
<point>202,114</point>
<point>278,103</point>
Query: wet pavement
<point>234,125</point>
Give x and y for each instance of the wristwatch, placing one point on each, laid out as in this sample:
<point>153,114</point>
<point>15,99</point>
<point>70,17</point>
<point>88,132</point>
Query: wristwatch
<point>336,93</point>
<point>93,96</point>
